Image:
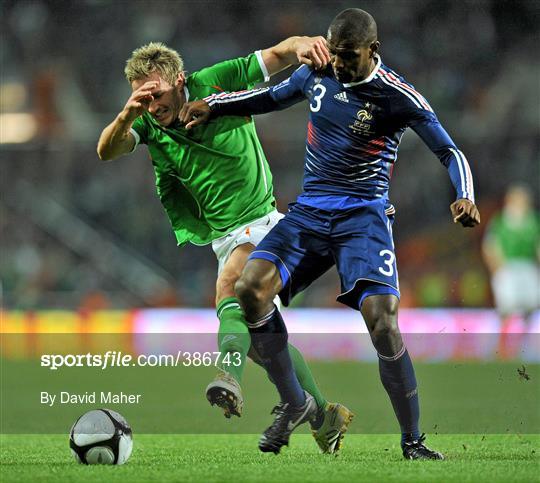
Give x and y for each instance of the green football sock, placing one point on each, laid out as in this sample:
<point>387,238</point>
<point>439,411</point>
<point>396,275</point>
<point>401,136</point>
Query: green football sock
<point>305,378</point>
<point>233,337</point>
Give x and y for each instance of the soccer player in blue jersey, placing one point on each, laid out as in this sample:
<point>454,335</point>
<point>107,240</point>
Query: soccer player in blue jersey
<point>359,110</point>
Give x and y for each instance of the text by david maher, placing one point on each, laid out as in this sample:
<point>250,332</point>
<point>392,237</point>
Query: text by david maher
<point>102,397</point>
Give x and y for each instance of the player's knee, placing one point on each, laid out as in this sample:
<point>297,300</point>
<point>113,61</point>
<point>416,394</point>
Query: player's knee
<point>250,292</point>
<point>380,314</point>
<point>385,329</point>
<point>376,307</point>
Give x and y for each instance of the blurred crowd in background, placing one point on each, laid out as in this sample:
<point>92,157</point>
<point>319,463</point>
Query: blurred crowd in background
<point>80,233</point>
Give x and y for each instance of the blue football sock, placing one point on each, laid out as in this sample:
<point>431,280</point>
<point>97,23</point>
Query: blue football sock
<point>269,339</point>
<point>397,376</point>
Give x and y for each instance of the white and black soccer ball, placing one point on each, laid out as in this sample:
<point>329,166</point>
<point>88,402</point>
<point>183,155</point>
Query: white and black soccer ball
<point>101,437</point>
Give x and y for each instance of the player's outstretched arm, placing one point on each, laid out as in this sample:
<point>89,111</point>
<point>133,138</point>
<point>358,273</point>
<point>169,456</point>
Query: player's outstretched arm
<point>116,140</point>
<point>311,51</point>
<point>245,103</point>
<point>428,127</point>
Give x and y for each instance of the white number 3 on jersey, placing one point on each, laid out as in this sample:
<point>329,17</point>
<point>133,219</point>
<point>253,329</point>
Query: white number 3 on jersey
<point>317,98</point>
<point>388,262</point>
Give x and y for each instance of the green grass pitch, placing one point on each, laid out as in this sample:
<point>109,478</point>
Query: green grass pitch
<point>455,398</point>
<point>483,416</point>
<point>228,458</point>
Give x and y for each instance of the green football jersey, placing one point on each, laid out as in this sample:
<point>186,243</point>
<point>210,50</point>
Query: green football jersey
<point>517,242</point>
<point>215,177</point>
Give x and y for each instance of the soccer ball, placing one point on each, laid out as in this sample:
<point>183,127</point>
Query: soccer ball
<point>101,437</point>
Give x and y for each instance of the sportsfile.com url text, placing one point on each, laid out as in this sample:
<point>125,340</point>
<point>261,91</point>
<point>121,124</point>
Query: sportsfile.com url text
<point>118,359</point>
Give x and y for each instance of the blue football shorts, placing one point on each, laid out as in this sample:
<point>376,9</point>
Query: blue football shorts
<point>309,241</point>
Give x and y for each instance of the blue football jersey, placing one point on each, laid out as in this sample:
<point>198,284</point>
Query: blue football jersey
<point>354,131</point>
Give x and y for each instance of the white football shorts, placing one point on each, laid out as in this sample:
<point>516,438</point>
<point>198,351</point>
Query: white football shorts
<point>252,233</point>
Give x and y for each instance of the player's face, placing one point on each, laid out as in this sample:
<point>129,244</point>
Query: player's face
<point>351,63</point>
<point>168,100</point>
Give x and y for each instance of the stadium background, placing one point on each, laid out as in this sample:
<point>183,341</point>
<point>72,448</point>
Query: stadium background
<point>86,248</point>
<point>88,262</point>
<point>77,232</point>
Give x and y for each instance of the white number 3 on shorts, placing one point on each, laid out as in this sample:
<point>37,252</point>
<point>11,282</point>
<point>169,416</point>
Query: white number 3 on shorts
<point>389,262</point>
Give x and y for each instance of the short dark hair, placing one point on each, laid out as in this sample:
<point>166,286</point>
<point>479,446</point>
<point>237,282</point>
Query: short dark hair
<point>354,26</point>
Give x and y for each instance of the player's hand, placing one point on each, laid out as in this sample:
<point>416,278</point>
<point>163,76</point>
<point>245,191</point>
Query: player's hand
<point>312,51</point>
<point>139,101</point>
<point>194,113</point>
<point>465,212</point>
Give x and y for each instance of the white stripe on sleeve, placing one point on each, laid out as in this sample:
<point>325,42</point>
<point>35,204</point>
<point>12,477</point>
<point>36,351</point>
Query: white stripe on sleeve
<point>461,173</point>
<point>403,91</point>
<point>137,138</point>
<point>235,96</point>
<point>468,176</point>
<point>262,65</point>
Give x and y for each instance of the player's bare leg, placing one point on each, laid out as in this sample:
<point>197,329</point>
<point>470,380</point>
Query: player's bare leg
<point>257,287</point>
<point>225,391</point>
<point>397,372</point>
<point>233,337</point>
<point>259,284</point>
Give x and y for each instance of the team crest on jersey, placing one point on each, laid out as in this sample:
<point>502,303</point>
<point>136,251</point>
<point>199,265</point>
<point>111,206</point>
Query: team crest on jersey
<point>363,115</point>
<point>362,124</point>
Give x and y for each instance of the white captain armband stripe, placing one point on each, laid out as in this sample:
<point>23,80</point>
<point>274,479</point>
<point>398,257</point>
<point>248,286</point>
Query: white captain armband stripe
<point>262,65</point>
<point>137,138</point>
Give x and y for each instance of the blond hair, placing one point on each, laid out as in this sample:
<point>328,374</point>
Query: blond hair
<point>154,57</point>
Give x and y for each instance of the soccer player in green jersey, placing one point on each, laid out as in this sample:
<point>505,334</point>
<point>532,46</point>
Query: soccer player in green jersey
<point>511,250</point>
<point>216,187</point>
